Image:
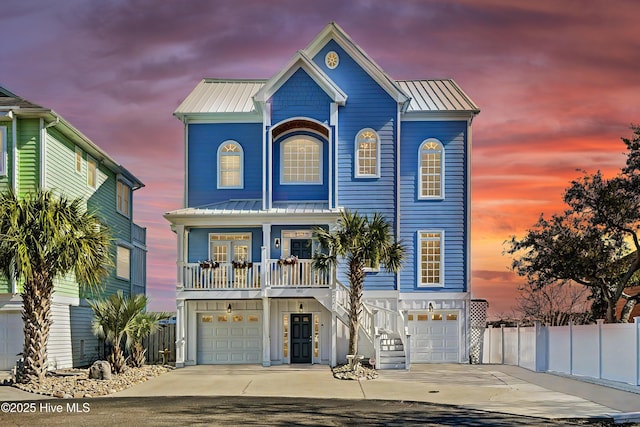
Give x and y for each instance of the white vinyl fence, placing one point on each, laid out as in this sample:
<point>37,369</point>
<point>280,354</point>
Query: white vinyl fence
<point>603,351</point>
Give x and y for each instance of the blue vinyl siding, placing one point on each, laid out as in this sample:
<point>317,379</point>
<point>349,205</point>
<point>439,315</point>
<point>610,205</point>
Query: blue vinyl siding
<point>199,242</point>
<point>204,141</point>
<point>300,96</point>
<point>368,106</point>
<point>300,192</point>
<point>448,214</point>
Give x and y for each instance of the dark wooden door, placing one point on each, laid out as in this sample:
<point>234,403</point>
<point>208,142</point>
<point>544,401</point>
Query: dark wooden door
<point>301,248</point>
<point>301,338</point>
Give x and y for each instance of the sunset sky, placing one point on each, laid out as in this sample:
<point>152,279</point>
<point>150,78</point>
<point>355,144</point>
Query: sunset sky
<point>558,83</point>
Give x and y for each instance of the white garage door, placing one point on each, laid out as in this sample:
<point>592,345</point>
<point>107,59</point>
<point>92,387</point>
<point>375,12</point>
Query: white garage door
<point>435,336</point>
<point>229,338</point>
<point>11,339</point>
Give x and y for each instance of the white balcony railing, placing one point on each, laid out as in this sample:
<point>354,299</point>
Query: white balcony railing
<point>221,276</point>
<point>276,274</point>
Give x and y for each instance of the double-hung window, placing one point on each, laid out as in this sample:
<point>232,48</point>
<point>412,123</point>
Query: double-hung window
<point>230,165</point>
<point>367,156</point>
<point>124,198</point>
<point>92,172</point>
<point>430,260</point>
<point>301,160</point>
<point>123,263</point>
<point>431,170</point>
<point>78,160</point>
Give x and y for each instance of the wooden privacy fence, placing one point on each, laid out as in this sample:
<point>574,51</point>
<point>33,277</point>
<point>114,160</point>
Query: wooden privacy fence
<point>162,341</point>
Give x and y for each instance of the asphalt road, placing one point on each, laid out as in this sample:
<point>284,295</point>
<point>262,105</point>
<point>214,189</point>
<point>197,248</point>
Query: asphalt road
<point>258,411</point>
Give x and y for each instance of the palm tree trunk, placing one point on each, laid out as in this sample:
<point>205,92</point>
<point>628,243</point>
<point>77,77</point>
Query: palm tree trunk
<point>117,360</point>
<point>356,280</point>
<point>137,355</point>
<point>36,315</point>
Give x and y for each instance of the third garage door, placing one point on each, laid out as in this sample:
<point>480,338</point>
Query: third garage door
<point>229,338</point>
<point>435,336</point>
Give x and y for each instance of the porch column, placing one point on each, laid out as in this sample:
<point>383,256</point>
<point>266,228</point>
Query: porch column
<point>180,333</point>
<point>180,263</point>
<point>266,339</point>
<point>334,320</point>
<point>266,238</point>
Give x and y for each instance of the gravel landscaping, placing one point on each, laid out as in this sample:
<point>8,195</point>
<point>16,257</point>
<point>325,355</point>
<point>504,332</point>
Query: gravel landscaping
<point>75,383</point>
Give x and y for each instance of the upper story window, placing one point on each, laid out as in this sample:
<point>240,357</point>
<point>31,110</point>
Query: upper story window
<point>78,160</point>
<point>301,160</point>
<point>123,199</point>
<point>230,165</point>
<point>431,170</point>
<point>123,263</point>
<point>3,150</point>
<point>367,154</point>
<point>430,258</point>
<point>92,172</point>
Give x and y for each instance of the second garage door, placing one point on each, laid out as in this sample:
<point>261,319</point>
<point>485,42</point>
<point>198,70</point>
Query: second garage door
<point>230,338</point>
<point>435,336</point>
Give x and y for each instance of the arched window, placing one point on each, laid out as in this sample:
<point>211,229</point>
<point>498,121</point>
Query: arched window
<point>301,157</point>
<point>230,165</point>
<point>431,170</point>
<point>367,149</point>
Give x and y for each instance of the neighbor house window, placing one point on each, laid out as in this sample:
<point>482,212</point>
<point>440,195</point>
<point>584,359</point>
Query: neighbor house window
<point>431,168</point>
<point>78,160</point>
<point>92,172</point>
<point>123,263</point>
<point>301,161</point>
<point>230,165</point>
<point>3,150</point>
<point>124,196</point>
<point>430,258</point>
<point>367,154</point>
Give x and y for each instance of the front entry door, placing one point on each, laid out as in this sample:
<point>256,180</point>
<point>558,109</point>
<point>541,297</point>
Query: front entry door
<point>301,338</point>
<point>301,248</point>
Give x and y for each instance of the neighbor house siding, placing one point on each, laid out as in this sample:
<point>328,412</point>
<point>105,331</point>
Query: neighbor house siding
<point>62,177</point>
<point>28,155</point>
<point>446,214</point>
<point>204,141</point>
<point>6,178</point>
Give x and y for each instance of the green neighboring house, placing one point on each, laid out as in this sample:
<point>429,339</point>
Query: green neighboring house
<point>41,150</point>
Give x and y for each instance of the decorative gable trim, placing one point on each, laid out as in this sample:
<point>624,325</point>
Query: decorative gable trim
<point>334,32</point>
<point>300,61</point>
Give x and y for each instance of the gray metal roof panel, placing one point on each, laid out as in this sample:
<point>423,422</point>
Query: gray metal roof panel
<point>254,206</point>
<point>221,96</point>
<point>437,95</point>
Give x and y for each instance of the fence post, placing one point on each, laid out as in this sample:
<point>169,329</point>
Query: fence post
<point>570,347</point>
<point>502,342</point>
<point>599,323</point>
<point>636,322</point>
<point>518,344</point>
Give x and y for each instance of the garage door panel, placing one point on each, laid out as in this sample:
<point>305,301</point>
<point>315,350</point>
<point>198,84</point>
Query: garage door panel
<point>11,339</point>
<point>226,339</point>
<point>434,339</point>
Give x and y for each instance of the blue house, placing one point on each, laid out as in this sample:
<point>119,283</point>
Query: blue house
<point>267,160</point>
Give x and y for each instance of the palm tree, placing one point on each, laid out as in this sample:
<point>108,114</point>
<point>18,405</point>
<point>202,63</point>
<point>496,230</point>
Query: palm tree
<point>143,325</point>
<point>44,237</point>
<point>358,240</point>
<point>113,318</point>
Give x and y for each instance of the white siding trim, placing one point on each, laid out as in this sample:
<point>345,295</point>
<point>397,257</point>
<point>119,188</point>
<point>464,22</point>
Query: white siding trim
<point>3,151</point>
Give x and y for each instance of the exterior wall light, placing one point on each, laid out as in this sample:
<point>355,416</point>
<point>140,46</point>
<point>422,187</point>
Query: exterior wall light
<point>229,308</point>
<point>276,242</point>
<point>300,309</point>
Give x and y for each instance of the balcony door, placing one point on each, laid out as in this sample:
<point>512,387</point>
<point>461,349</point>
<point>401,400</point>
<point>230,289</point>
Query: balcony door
<point>225,249</point>
<point>301,248</point>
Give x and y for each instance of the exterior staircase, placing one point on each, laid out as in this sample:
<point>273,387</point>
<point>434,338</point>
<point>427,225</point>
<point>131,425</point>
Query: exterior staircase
<point>391,353</point>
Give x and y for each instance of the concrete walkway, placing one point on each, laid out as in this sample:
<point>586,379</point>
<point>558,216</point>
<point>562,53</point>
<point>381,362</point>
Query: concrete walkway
<point>495,388</point>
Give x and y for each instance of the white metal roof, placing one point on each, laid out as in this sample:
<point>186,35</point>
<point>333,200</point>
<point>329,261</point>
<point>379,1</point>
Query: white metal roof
<point>236,96</point>
<point>221,96</point>
<point>437,95</point>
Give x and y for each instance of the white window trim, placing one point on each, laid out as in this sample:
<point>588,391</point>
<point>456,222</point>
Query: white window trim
<point>320,160</point>
<point>3,150</point>
<point>95,181</point>
<point>118,195</point>
<point>129,248</point>
<point>78,152</point>
<point>219,165</point>
<point>356,148</point>
<point>419,260</point>
<point>442,174</point>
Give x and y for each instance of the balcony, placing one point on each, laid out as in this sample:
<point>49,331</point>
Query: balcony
<point>272,273</point>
